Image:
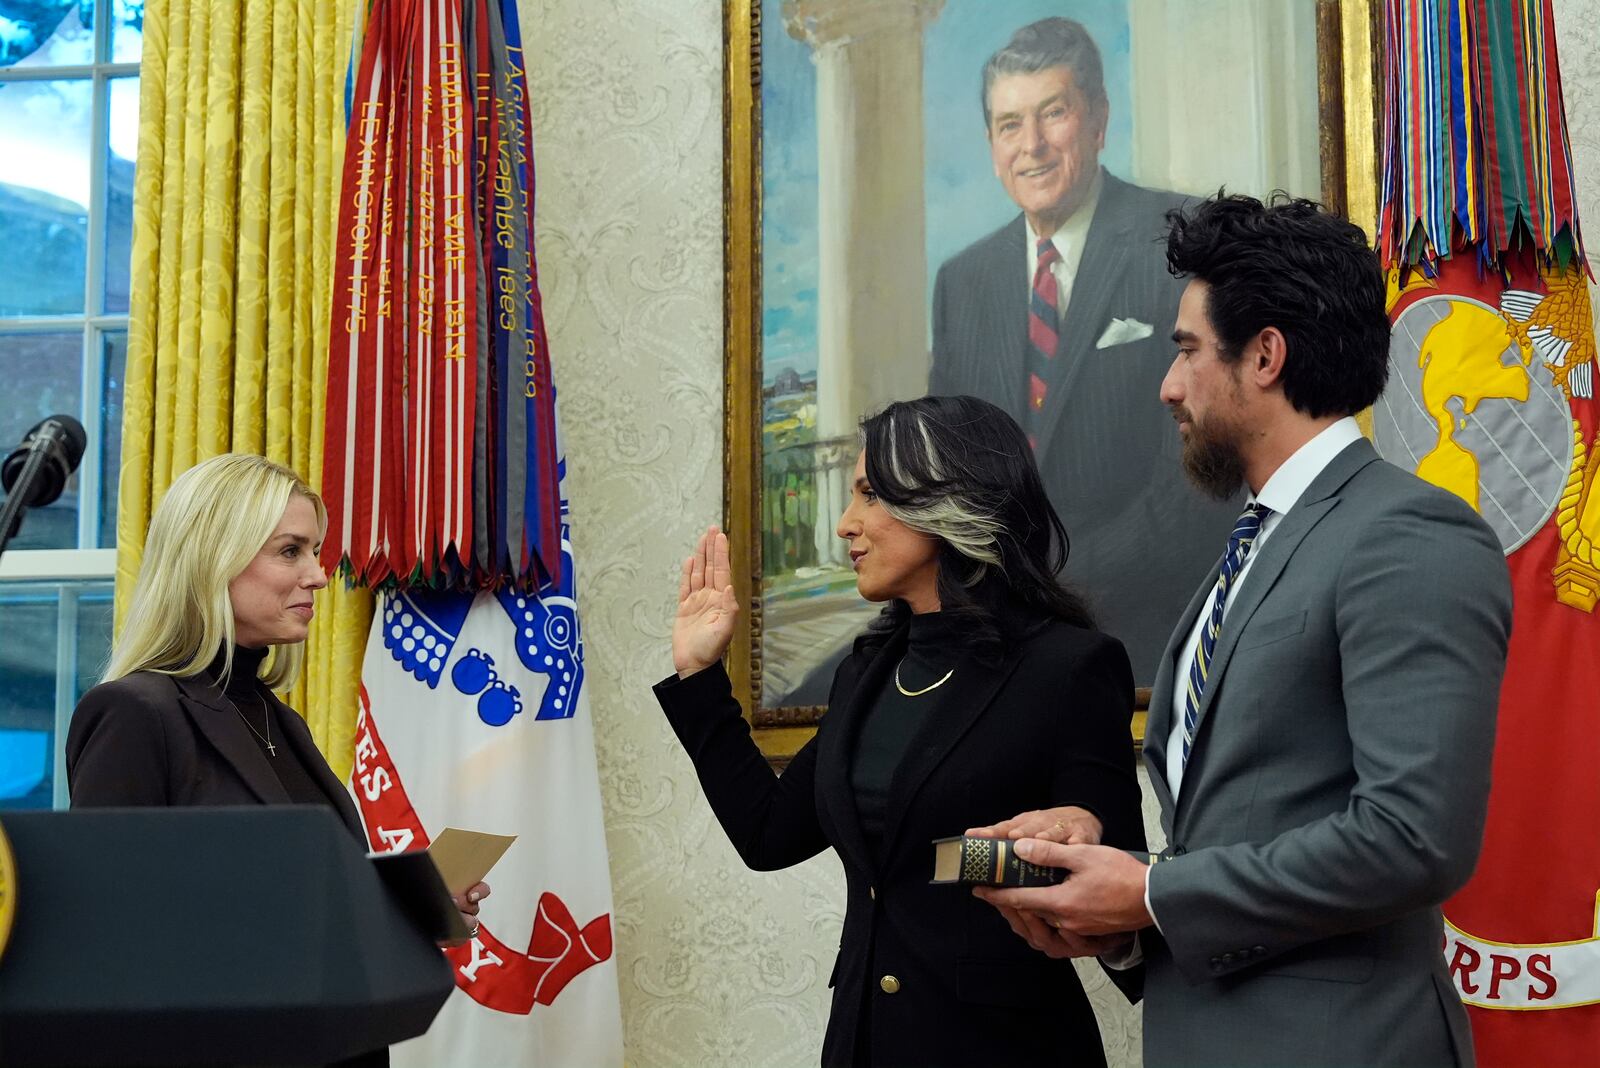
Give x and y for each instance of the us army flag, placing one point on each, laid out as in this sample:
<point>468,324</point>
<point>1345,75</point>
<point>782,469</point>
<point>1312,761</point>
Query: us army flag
<point>474,714</point>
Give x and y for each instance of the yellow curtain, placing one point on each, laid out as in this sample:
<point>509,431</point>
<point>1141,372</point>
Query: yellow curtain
<point>241,141</point>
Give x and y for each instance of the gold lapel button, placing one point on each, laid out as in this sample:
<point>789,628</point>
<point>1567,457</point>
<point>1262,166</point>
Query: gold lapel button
<point>889,985</point>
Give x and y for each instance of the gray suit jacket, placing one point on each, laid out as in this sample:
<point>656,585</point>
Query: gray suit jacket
<point>1336,787</point>
<point>1108,450</point>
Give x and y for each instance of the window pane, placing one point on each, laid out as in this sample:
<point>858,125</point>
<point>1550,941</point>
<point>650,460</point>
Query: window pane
<point>45,35</point>
<point>114,361</point>
<point>127,31</point>
<point>95,604</point>
<point>44,190</point>
<point>43,376</point>
<point>27,694</point>
<point>124,149</point>
<point>31,614</point>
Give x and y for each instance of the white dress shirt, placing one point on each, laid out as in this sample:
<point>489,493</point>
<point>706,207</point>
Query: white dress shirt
<point>1281,493</point>
<point>1068,240</point>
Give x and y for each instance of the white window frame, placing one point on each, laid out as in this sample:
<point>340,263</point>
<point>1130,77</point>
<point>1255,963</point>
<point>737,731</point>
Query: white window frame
<point>69,566</point>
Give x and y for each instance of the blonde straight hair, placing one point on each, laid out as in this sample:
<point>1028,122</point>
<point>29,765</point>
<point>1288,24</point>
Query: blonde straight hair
<point>212,522</point>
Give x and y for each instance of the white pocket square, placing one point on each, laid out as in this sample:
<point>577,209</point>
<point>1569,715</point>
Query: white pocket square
<point>1122,331</point>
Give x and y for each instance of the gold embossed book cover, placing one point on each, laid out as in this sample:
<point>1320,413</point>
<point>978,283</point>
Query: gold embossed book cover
<point>974,861</point>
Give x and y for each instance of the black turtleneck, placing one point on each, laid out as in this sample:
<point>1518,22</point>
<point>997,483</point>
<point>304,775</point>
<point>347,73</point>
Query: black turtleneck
<point>263,718</point>
<point>893,718</point>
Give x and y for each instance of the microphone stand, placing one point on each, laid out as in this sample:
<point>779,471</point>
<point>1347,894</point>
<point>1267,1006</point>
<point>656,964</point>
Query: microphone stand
<point>11,514</point>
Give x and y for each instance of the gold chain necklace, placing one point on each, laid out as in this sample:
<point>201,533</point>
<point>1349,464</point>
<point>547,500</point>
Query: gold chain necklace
<point>918,693</point>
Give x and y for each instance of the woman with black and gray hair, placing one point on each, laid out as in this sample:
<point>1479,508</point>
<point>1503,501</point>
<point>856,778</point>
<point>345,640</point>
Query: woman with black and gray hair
<point>980,691</point>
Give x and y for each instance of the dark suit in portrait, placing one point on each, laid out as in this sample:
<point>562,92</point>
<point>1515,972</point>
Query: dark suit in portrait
<point>1108,450</point>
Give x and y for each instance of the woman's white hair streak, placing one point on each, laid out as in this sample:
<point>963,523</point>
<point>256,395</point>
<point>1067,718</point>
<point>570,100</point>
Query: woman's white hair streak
<point>970,529</point>
<point>211,523</point>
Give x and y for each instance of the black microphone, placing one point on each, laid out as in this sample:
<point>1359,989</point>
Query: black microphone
<point>37,470</point>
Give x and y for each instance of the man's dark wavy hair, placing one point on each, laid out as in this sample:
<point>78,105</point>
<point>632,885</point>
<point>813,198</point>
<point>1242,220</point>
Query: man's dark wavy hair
<point>961,470</point>
<point>1291,264</point>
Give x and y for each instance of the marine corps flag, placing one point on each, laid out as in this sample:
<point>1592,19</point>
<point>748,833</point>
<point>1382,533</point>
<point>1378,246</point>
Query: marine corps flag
<point>442,478</point>
<point>1491,395</point>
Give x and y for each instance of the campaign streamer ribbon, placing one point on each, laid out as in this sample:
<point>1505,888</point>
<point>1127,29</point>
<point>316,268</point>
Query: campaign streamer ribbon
<point>541,543</point>
<point>355,469</point>
<point>1476,153</point>
<point>440,460</point>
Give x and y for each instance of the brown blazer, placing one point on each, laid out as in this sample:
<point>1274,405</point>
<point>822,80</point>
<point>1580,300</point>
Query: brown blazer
<point>151,739</point>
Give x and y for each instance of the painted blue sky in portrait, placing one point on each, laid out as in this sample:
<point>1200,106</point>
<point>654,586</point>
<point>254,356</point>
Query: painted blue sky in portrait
<point>964,199</point>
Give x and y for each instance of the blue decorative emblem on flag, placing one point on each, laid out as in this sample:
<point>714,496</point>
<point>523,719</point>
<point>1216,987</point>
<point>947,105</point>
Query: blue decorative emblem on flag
<point>475,673</point>
<point>549,641</point>
<point>420,630</point>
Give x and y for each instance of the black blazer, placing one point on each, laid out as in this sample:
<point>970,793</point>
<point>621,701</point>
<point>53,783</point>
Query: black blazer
<point>1048,726</point>
<point>1108,450</point>
<point>151,739</point>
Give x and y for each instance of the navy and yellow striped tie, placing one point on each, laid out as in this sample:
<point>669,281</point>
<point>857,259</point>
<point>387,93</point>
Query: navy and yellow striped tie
<point>1244,535</point>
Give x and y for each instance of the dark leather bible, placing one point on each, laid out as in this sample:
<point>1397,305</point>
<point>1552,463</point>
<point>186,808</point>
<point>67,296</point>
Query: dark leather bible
<point>987,862</point>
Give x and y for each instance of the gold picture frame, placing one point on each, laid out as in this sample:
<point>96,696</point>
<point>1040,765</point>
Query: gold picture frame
<point>1349,39</point>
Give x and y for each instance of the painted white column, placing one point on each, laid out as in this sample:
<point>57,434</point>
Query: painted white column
<point>872,273</point>
<point>835,461</point>
<point>823,538</point>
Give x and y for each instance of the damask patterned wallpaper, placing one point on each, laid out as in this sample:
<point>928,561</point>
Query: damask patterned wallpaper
<point>719,966</point>
<point>1578,42</point>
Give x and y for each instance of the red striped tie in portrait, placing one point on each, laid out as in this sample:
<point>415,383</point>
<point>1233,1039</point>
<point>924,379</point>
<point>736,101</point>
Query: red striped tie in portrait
<point>1043,332</point>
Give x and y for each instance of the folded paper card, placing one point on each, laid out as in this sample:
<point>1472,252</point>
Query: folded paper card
<point>465,857</point>
<point>424,880</point>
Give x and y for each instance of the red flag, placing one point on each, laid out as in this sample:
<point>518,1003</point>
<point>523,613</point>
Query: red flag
<point>1491,396</point>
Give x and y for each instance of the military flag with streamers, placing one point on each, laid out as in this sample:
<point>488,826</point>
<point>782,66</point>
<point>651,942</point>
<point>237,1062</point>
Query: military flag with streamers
<point>442,476</point>
<point>474,714</point>
<point>1491,395</point>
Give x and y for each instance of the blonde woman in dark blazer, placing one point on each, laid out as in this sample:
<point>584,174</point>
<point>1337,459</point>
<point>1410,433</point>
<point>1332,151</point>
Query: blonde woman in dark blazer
<point>186,714</point>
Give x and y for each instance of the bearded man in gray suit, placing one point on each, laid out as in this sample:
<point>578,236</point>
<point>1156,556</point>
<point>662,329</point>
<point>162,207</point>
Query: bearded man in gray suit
<point>1079,271</point>
<point>1322,725</point>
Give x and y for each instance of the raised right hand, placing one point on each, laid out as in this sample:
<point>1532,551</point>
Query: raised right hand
<point>707,608</point>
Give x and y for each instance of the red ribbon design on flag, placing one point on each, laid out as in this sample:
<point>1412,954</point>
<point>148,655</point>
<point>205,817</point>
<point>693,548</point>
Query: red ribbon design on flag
<point>491,972</point>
